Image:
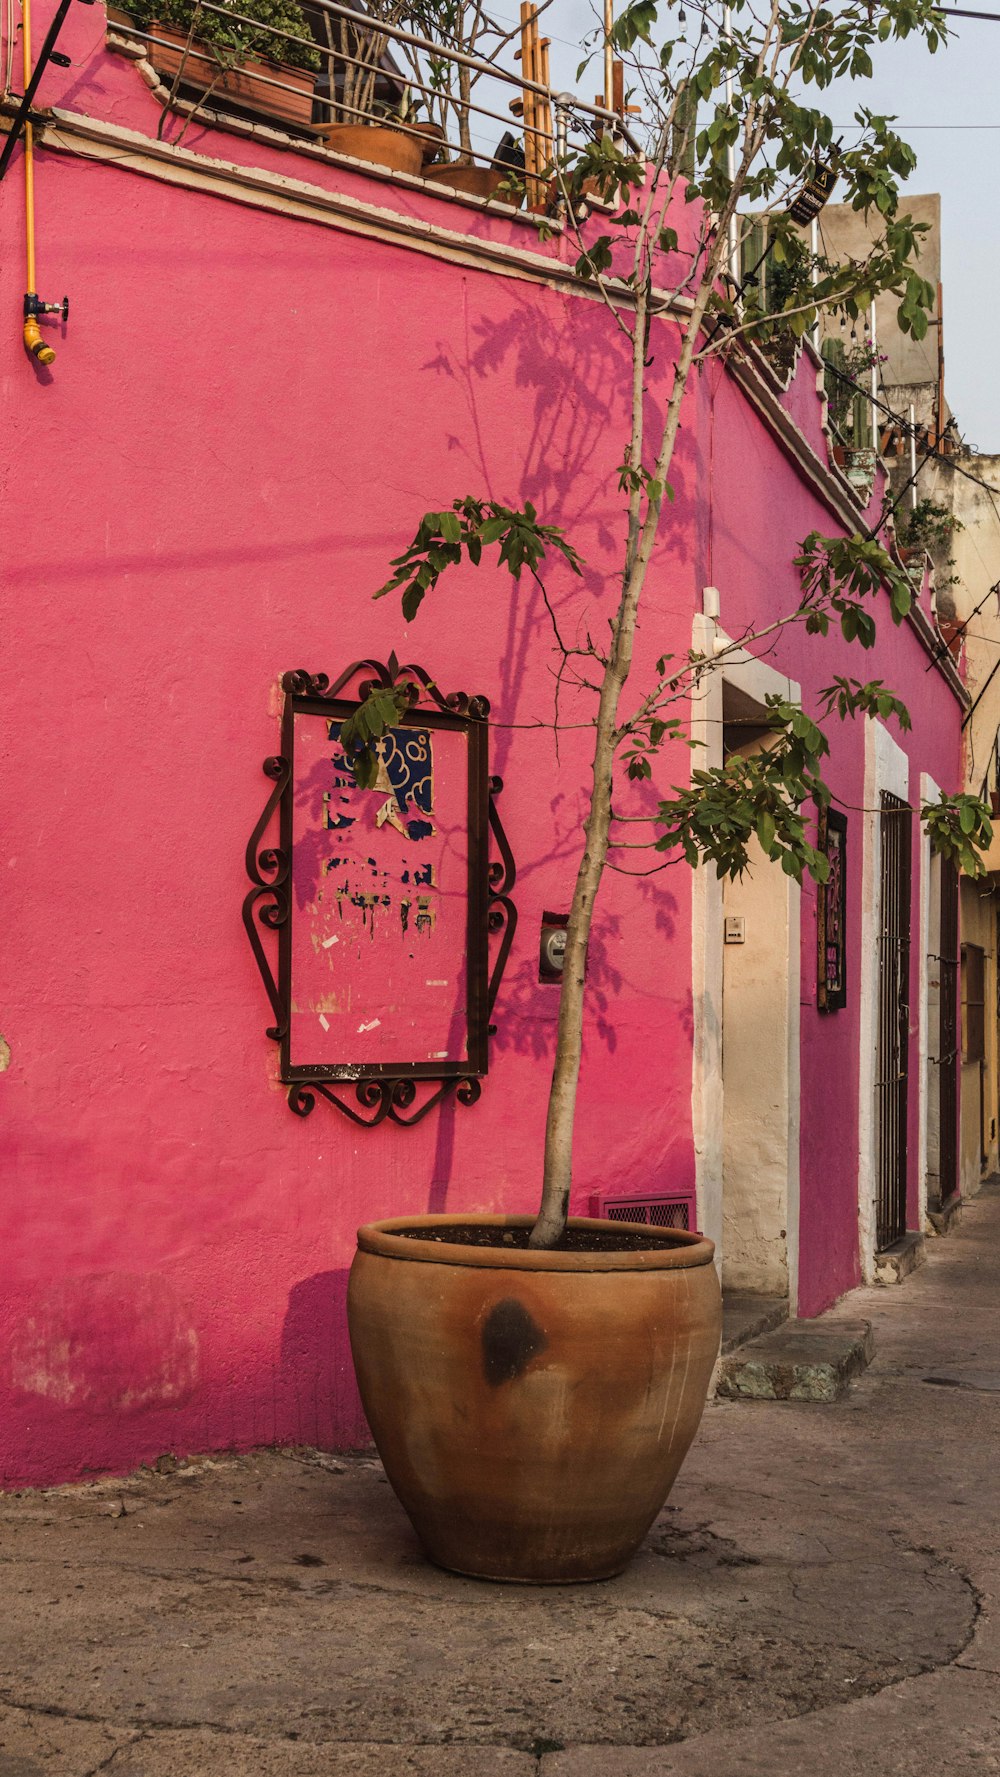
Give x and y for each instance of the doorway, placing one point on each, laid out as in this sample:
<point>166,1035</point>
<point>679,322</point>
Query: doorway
<point>941,980</point>
<point>759,1049</point>
<point>893,1020</point>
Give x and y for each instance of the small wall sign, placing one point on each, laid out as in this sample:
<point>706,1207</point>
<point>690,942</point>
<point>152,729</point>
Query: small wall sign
<point>831,912</point>
<point>384,899</point>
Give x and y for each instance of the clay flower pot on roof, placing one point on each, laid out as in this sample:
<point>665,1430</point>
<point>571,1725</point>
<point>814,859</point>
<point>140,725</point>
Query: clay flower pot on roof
<point>475,181</point>
<point>432,139</point>
<point>379,143</point>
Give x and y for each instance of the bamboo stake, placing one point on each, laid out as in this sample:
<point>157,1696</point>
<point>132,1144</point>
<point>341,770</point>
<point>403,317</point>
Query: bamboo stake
<point>529,42</point>
<point>534,108</point>
<point>545,107</point>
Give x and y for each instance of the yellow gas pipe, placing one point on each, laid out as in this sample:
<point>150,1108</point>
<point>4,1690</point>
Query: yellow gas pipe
<point>34,339</point>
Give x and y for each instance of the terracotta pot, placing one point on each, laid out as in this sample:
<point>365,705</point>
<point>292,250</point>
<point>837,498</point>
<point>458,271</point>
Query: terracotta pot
<point>432,139</point>
<point>376,142</point>
<point>532,1409</point>
<point>475,182</point>
<point>243,84</point>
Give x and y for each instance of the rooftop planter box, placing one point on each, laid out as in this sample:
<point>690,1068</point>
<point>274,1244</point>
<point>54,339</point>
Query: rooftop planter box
<point>246,61</point>
<point>247,84</point>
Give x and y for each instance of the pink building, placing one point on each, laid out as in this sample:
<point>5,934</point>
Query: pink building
<point>276,360</point>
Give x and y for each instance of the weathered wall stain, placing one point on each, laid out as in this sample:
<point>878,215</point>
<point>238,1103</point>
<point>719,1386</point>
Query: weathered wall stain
<point>111,1343</point>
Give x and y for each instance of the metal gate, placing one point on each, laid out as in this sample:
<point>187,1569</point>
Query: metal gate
<point>892,1053</point>
<point>948,963</point>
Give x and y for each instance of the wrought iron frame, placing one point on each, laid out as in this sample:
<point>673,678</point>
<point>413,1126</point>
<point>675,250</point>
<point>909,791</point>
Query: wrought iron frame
<point>384,1092</point>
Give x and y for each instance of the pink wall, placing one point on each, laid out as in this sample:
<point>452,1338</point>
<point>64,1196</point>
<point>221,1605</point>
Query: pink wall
<point>245,419</point>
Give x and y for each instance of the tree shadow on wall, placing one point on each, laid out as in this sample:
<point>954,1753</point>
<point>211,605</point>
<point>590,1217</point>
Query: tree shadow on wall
<point>575,373</point>
<point>315,845</point>
<point>530,1006</point>
<point>570,366</point>
<point>316,1369</point>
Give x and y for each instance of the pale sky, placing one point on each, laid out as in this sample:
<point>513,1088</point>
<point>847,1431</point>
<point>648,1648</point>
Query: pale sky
<point>947,109</point>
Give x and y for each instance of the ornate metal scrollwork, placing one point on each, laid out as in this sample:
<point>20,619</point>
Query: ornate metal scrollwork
<point>502,915</point>
<point>269,870</point>
<point>366,1095</point>
<point>389,676</point>
<point>384,1098</point>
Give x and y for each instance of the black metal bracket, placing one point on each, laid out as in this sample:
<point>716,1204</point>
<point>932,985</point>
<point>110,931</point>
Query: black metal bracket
<point>45,56</point>
<point>268,904</point>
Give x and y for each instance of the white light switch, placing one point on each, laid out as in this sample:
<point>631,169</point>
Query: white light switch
<point>735,929</point>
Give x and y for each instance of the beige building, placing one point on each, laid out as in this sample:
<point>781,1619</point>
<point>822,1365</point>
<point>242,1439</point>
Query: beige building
<point>948,509</point>
<point>967,573</point>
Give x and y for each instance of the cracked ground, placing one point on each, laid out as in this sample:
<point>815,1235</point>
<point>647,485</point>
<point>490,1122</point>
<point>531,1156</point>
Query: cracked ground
<point>819,1596</point>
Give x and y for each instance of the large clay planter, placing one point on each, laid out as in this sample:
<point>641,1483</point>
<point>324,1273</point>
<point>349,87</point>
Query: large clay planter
<point>531,1409</point>
<point>247,85</point>
<point>376,142</point>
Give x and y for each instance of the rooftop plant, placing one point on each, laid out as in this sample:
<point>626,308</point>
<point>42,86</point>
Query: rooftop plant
<point>463,25</point>
<point>231,39</point>
<point>432,87</point>
<point>928,526</point>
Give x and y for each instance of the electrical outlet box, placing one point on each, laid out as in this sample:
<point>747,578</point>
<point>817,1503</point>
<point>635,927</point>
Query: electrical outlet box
<point>552,946</point>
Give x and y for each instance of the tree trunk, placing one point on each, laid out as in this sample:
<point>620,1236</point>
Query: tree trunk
<point>551,1222</point>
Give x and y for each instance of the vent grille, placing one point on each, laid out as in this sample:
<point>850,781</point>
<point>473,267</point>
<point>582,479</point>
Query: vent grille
<point>655,1212</point>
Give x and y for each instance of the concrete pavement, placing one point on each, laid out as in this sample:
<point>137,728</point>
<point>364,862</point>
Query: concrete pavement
<point>821,1596</point>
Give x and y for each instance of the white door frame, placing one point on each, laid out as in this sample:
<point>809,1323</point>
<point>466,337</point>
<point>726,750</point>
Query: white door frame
<point>758,680</point>
<point>887,768</point>
<point>929,794</point>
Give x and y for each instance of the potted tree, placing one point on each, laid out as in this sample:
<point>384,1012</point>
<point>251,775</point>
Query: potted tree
<point>446,86</point>
<point>370,110</point>
<point>533,1382</point>
<point>405,118</point>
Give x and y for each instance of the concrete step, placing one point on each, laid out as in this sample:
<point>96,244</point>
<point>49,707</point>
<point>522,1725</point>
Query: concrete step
<point>804,1360</point>
<point>746,1316</point>
<point>943,1217</point>
<point>896,1262</point>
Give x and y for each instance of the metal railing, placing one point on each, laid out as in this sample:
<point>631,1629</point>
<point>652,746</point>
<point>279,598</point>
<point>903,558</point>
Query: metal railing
<point>538,113</point>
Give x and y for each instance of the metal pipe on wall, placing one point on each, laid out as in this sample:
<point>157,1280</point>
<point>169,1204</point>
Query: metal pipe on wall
<point>34,340</point>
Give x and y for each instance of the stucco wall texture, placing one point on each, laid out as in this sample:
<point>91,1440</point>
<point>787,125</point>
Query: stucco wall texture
<point>246,417</point>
